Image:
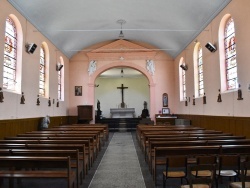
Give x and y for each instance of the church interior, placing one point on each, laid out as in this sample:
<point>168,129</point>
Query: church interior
<point>117,77</point>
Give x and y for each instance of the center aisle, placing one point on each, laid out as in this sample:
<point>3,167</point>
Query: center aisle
<point>119,166</point>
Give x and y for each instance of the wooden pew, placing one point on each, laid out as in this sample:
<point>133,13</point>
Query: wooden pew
<point>154,144</point>
<point>188,138</point>
<point>47,135</point>
<point>15,166</point>
<point>89,150</point>
<point>105,126</point>
<point>91,138</point>
<point>80,147</point>
<point>147,136</point>
<point>73,154</point>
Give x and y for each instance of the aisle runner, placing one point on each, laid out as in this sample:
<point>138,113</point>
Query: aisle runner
<point>120,166</point>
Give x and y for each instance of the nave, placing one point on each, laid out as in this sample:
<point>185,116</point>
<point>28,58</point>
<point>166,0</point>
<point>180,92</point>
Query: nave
<point>120,163</point>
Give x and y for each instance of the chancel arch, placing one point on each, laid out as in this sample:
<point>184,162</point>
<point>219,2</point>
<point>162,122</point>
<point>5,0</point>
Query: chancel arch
<point>118,64</point>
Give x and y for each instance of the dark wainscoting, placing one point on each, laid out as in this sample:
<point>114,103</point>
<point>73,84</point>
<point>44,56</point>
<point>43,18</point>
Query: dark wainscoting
<point>235,125</point>
<point>12,127</point>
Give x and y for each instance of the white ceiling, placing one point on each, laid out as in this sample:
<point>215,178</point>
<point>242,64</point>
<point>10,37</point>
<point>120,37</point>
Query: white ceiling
<point>74,25</point>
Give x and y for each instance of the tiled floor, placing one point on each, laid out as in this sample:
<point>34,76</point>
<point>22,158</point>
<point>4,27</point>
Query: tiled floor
<point>119,166</point>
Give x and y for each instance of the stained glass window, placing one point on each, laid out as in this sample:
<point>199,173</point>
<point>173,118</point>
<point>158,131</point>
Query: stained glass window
<point>200,73</point>
<point>230,55</point>
<point>42,72</point>
<point>184,84</point>
<point>10,54</point>
<point>59,85</point>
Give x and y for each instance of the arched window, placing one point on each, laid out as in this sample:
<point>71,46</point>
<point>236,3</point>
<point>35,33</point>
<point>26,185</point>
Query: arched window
<point>182,78</point>
<point>10,55</point>
<point>230,55</point>
<point>60,81</point>
<point>42,72</point>
<point>200,72</point>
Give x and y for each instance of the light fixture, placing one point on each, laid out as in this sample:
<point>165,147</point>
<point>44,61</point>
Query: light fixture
<point>121,35</point>
<point>122,73</point>
<point>30,48</point>
<point>184,67</point>
<point>211,47</point>
<point>59,66</point>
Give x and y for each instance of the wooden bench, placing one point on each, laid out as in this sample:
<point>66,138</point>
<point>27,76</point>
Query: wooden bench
<point>73,154</point>
<point>47,135</point>
<point>12,167</point>
<point>89,150</point>
<point>91,138</point>
<point>80,147</point>
<point>154,144</point>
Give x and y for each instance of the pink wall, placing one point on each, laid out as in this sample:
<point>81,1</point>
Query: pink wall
<point>161,82</point>
<point>229,106</point>
<point>29,63</point>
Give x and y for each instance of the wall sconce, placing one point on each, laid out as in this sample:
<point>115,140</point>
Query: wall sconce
<point>59,66</point>
<point>210,47</point>
<point>96,85</point>
<point>30,48</point>
<point>184,67</point>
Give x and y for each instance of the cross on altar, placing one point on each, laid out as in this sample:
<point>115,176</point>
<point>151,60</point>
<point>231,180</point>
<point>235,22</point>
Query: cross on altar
<point>122,88</point>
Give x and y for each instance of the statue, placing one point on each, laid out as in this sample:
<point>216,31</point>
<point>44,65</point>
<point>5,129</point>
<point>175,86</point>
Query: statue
<point>99,112</point>
<point>1,95</point>
<point>22,99</point>
<point>49,102</point>
<point>204,99</point>
<point>239,94</point>
<point>98,105</point>
<point>92,67</point>
<point>151,66</point>
<point>219,97</point>
<point>37,101</point>
<point>186,102</point>
<point>44,123</point>
<point>145,112</point>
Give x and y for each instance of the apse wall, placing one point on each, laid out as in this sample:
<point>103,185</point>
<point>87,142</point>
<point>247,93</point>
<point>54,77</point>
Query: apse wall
<point>110,97</point>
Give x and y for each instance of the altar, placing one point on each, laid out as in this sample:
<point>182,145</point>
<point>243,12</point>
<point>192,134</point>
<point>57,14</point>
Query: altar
<point>122,112</point>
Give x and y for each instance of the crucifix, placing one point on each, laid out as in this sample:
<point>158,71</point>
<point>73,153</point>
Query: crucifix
<point>122,88</point>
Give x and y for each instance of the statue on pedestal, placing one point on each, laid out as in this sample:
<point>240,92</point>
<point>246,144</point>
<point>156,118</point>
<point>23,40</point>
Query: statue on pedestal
<point>99,112</point>
<point>145,112</point>
<point>1,95</point>
<point>204,99</point>
<point>239,94</point>
<point>49,102</point>
<point>219,97</point>
<point>37,101</point>
<point>22,99</point>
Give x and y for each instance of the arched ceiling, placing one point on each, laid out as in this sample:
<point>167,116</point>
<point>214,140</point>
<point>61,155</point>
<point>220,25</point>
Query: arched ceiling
<point>72,26</point>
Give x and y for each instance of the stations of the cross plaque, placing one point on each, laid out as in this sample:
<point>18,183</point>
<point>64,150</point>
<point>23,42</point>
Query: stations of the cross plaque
<point>122,90</point>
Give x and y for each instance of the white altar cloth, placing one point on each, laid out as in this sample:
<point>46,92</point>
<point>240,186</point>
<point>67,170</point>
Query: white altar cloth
<point>122,112</point>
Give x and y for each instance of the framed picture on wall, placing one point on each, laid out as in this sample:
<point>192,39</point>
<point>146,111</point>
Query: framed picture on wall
<point>78,90</point>
<point>165,111</point>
